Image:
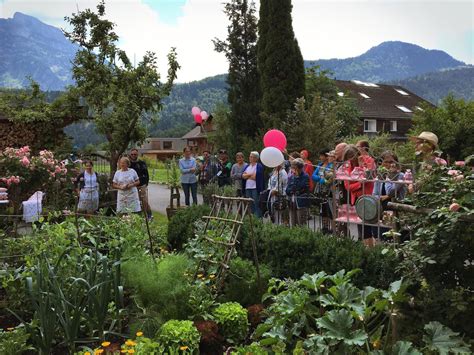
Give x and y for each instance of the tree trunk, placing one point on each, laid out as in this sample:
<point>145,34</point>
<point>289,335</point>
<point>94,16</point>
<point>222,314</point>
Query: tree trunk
<point>114,158</point>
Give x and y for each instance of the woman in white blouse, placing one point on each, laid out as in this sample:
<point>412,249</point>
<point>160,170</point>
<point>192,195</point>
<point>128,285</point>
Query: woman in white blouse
<point>126,181</point>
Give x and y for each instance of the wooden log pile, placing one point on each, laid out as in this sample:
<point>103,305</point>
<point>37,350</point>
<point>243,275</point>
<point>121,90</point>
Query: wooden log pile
<point>38,135</point>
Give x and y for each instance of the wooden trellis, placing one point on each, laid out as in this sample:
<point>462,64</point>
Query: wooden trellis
<point>228,213</point>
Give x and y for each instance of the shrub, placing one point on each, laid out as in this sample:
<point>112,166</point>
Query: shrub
<point>241,283</point>
<point>211,340</point>
<point>145,346</point>
<point>253,349</point>
<point>181,226</point>
<point>214,189</point>
<point>162,285</point>
<point>232,320</point>
<point>436,259</point>
<point>291,252</point>
<point>14,341</point>
<point>179,335</point>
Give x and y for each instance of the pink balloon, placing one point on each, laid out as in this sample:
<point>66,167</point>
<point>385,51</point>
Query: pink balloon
<point>275,138</point>
<point>195,110</point>
<point>204,115</point>
<point>198,118</point>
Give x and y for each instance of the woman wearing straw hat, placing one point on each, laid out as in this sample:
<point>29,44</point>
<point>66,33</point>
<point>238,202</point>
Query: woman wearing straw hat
<point>425,147</point>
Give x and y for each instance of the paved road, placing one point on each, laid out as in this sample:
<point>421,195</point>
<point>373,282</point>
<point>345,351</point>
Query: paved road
<point>159,197</point>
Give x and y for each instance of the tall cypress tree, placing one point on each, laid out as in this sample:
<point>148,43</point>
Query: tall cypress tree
<point>280,63</point>
<point>240,48</point>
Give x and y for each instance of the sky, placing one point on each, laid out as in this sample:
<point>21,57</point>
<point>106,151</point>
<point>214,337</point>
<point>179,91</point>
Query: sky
<point>324,28</point>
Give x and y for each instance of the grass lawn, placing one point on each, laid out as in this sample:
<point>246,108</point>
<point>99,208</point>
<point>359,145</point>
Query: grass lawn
<point>157,173</point>
<point>159,219</point>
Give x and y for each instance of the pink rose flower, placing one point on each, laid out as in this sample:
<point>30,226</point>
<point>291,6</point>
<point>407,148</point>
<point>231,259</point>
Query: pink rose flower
<point>453,172</point>
<point>454,207</point>
<point>459,178</point>
<point>460,163</point>
<point>25,161</point>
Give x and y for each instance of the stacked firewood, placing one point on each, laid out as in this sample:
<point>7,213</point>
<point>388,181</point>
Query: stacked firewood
<point>37,136</point>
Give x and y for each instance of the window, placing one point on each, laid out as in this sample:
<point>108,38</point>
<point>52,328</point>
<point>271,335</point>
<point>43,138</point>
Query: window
<point>365,96</point>
<point>358,82</point>
<point>419,108</point>
<point>393,126</point>
<point>340,93</point>
<point>401,92</point>
<point>370,126</point>
<point>167,145</point>
<point>403,108</point>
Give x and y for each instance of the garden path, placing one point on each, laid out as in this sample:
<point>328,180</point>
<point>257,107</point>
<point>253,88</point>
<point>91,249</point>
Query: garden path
<point>159,197</point>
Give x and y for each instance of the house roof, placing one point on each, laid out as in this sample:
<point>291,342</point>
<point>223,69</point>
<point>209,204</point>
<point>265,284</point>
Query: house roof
<point>195,133</point>
<point>380,100</point>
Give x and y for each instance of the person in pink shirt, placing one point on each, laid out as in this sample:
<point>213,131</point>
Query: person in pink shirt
<point>365,160</point>
<point>308,167</point>
<point>356,169</point>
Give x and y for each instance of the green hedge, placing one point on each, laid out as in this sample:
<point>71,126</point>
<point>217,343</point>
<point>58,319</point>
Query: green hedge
<point>291,252</point>
<point>181,226</point>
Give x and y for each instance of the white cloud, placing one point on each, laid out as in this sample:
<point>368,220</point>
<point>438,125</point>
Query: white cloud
<point>324,29</point>
<point>340,29</point>
<point>140,30</point>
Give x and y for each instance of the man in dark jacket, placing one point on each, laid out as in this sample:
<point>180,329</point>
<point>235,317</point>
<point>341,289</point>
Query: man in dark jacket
<point>142,171</point>
<point>223,169</point>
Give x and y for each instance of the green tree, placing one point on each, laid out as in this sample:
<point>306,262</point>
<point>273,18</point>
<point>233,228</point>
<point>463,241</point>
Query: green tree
<point>319,84</point>
<point>313,126</point>
<point>452,122</point>
<point>119,96</point>
<point>221,137</point>
<point>240,49</point>
<point>280,63</point>
<point>36,121</point>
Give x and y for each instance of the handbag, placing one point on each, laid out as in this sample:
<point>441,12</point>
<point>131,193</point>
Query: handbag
<point>280,204</point>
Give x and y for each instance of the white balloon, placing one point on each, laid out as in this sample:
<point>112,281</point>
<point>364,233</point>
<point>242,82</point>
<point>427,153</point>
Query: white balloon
<point>204,115</point>
<point>271,157</point>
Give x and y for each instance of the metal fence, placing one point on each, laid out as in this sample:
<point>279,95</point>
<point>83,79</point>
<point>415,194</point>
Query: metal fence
<point>337,211</point>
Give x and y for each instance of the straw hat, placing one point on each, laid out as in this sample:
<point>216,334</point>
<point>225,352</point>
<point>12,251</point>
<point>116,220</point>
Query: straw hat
<point>429,137</point>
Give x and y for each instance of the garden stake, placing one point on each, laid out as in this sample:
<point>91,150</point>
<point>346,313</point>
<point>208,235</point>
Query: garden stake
<point>76,219</point>
<point>147,227</point>
<point>255,256</point>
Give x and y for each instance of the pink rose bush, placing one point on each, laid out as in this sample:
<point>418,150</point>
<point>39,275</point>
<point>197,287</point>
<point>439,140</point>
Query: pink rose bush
<point>454,207</point>
<point>25,173</point>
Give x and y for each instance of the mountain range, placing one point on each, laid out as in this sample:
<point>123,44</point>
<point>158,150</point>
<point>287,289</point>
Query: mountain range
<point>392,60</point>
<point>31,48</point>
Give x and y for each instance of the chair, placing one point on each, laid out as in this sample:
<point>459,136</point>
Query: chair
<point>33,207</point>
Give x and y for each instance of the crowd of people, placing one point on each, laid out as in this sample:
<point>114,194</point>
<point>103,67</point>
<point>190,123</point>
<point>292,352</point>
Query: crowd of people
<point>340,177</point>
